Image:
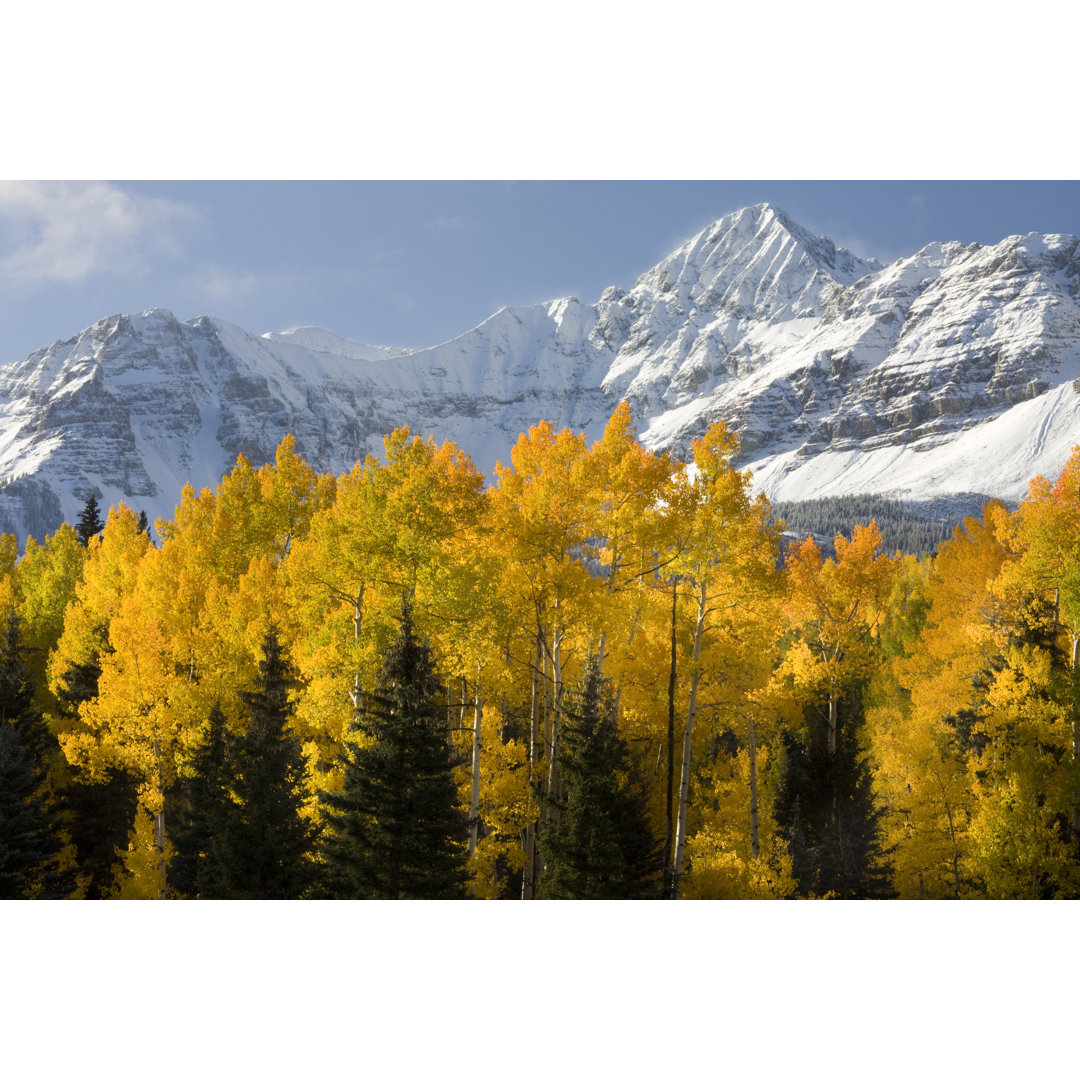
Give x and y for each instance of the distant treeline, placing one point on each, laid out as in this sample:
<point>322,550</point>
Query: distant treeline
<point>914,527</point>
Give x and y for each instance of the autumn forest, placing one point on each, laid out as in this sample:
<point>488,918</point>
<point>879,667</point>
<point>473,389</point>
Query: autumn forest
<point>602,675</point>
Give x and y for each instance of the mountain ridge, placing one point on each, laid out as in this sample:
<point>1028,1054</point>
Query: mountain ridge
<point>947,371</point>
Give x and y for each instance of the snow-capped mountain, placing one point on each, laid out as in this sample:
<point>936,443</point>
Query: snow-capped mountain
<point>953,370</point>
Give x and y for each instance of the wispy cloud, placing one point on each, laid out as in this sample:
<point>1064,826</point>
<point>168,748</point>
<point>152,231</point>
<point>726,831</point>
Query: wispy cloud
<point>61,232</point>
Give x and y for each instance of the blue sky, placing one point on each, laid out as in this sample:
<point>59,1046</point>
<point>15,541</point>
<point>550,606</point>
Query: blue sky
<point>414,263</point>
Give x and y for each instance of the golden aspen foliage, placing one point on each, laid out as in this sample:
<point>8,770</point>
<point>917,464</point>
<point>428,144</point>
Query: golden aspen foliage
<point>47,575</point>
<point>9,554</point>
<point>923,710</point>
<point>113,557</point>
<point>143,874</point>
<point>722,862</point>
<point>735,850</point>
<point>835,608</point>
<point>9,593</point>
<point>411,525</point>
<point>624,489</point>
<point>1045,531</point>
<point>1021,842</point>
<point>961,662</point>
<point>541,524</point>
<point>173,627</point>
<point>724,569</point>
<point>507,805</point>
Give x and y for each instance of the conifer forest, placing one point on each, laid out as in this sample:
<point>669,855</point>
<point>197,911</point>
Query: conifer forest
<point>600,674</point>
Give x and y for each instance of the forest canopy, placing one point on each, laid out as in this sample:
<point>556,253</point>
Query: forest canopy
<point>600,674</point>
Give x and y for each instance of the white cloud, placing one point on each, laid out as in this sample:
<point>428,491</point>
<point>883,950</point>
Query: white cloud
<point>63,232</point>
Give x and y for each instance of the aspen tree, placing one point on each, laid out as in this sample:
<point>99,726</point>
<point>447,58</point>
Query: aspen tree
<point>46,578</point>
<point>542,526</point>
<point>1045,530</point>
<point>835,607</point>
<point>1021,843</point>
<point>925,703</point>
<point>411,526</point>
<point>728,557</point>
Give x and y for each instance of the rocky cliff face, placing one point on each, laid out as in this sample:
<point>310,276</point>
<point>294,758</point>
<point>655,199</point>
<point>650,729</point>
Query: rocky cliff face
<point>952,370</point>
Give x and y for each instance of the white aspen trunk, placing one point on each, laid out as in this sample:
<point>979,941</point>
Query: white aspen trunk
<point>688,735</point>
<point>474,793</point>
<point>554,780</point>
<point>1076,720</point>
<point>955,853</point>
<point>1076,710</point>
<point>669,824</point>
<point>355,695</point>
<point>159,823</point>
<point>752,750</point>
<point>528,882</point>
<point>545,703</point>
<point>618,689</point>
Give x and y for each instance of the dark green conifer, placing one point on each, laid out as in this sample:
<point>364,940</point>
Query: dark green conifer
<point>201,807</point>
<point>31,831</point>
<point>396,832</point>
<point>98,815</point>
<point>90,523</point>
<point>829,814</point>
<point>267,844</point>
<point>598,844</point>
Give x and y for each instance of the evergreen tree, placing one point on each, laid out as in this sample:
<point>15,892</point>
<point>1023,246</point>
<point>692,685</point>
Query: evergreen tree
<point>144,523</point>
<point>90,523</point>
<point>98,815</point>
<point>266,843</point>
<point>201,807</point>
<point>31,832</point>
<point>395,831</point>
<point>598,844</point>
<point>828,813</point>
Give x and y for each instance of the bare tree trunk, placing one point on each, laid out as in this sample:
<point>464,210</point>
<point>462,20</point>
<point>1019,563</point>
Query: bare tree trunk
<point>752,750</point>
<point>528,880</point>
<point>1076,721</point>
<point>833,711</point>
<point>618,689</point>
<point>955,854</point>
<point>463,703</point>
<point>474,793</point>
<point>356,694</point>
<point>159,824</point>
<point>669,831</point>
<point>688,735</point>
<point>554,777</point>
<point>545,705</point>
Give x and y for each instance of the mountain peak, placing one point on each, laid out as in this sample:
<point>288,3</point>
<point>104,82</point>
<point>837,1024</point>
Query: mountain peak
<point>954,369</point>
<point>756,261</point>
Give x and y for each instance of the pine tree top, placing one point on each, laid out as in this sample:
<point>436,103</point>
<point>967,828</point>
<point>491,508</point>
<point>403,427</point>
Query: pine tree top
<point>90,522</point>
